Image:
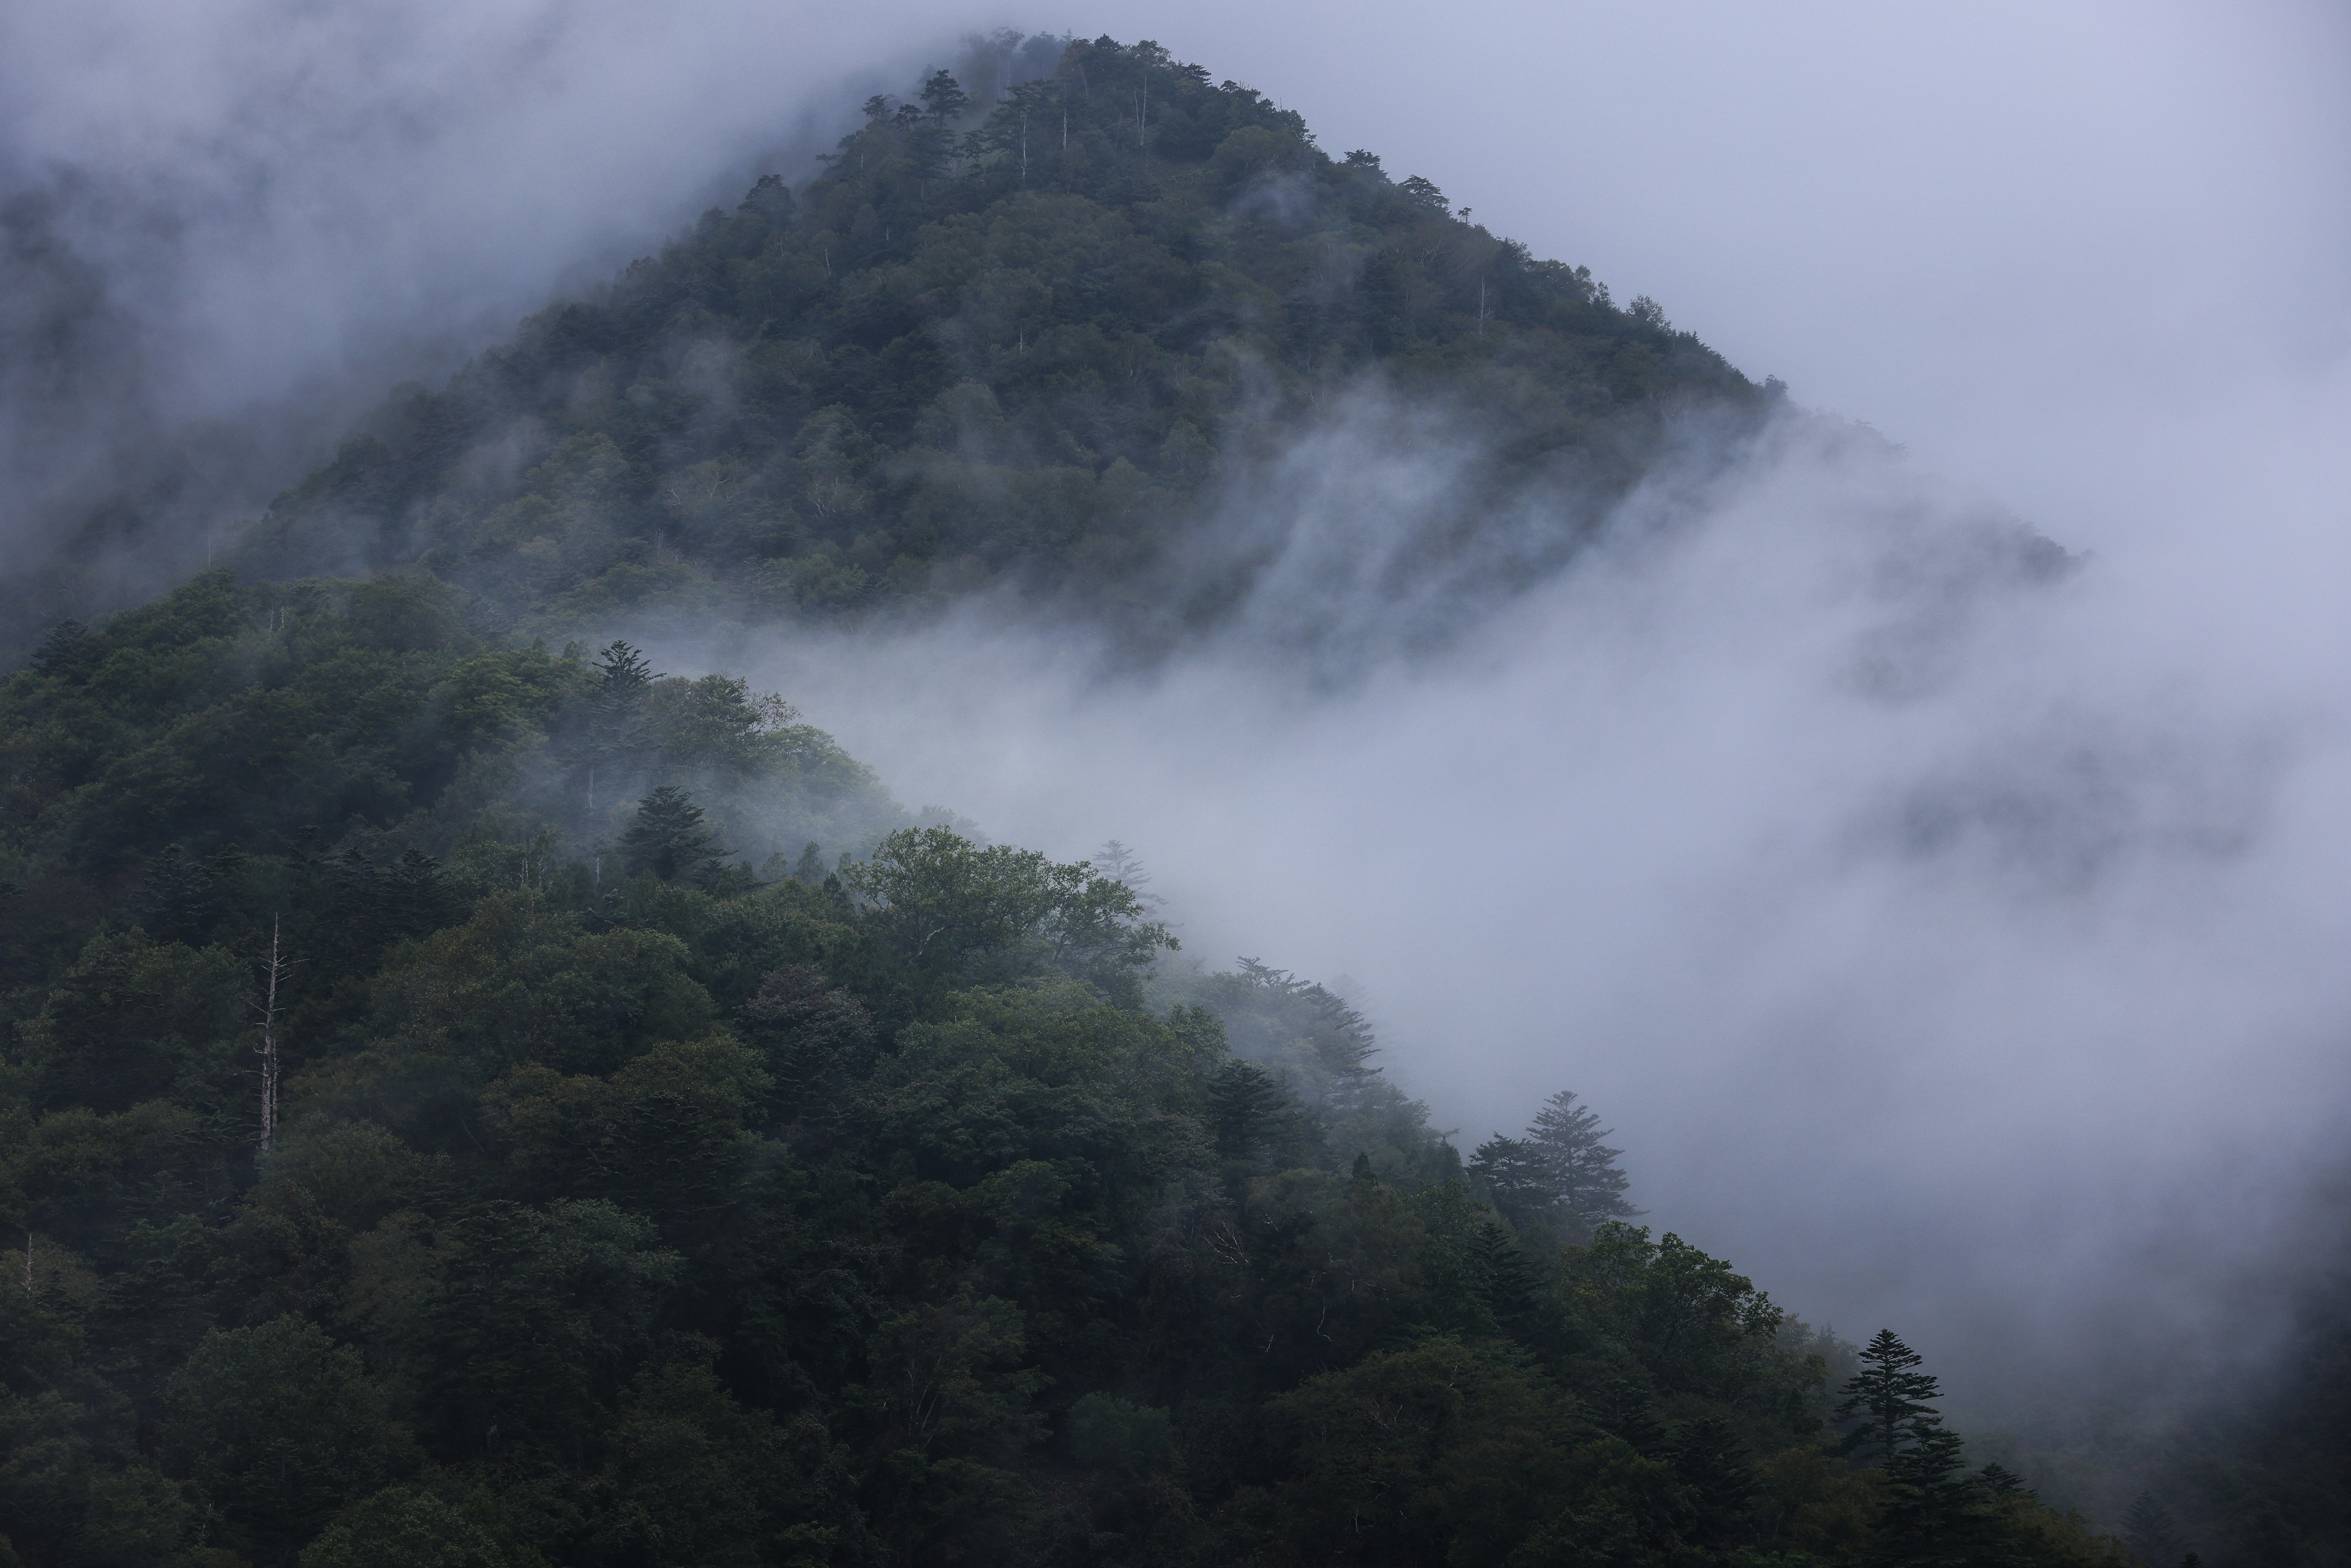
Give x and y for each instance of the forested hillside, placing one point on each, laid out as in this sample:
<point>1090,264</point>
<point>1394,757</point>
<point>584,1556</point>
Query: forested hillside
<point>1038,343</point>
<point>470,1098</point>
<point>444,1129</point>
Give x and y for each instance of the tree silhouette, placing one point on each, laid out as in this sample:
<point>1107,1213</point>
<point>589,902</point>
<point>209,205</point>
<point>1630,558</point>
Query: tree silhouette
<point>1891,1396</point>
<point>1516,1178</point>
<point>668,838</point>
<point>1584,1175</point>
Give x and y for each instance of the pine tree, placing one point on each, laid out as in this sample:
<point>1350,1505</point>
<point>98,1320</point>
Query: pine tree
<point>415,897</point>
<point>1624,1409</point>
<point>1584,1171</point>
<point>1934,1504</point>
<point>2148,1529</point>
<point>1711,1462</point>
<point>61,648</point>
<point>177,900</point>
<point>669,839</point>
<point>615,708</point>
<point>1250,1113</point>
<point>1891,1396</point>
<point>1997,1480</point>
<point>1519,1179</point>
<point>1512,1289</point>
<point>944,98</point>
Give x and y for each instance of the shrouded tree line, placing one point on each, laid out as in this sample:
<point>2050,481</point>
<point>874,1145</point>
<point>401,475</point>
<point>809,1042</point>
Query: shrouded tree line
<point>1561,1177</point>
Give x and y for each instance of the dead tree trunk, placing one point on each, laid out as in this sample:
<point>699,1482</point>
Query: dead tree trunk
<point>273,972</point>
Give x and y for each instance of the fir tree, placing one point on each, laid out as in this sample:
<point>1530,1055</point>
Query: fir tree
<point>2147,1527</point>
<point>1248,1113</point>
<point>1585,1173</point>
<point>1519,1179</point>
<point>1712,1463</point>
<point>1890,1394</point>
<point>1934,1503</point>
<point>944,99</point>
<point>58,650</point>
<point>669,839</point>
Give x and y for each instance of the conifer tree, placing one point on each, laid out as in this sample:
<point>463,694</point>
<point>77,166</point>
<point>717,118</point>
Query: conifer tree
<point>669,839</point>
<point>1890,1394</point>
<point>1585,1179</point>
<point>1516,1178</point>
<point>1935,1507</point>
<point>1711,1462</point>
<point>2149,1530</point>
<point>944,98</point>
<point>59,649</point>
<point>1248,1113</point>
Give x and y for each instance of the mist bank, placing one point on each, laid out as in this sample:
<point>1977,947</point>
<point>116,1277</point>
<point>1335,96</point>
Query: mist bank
<point>1947,924</point>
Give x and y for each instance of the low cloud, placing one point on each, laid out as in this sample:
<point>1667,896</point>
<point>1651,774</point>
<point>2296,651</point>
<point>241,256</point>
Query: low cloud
<point>1949,928</point>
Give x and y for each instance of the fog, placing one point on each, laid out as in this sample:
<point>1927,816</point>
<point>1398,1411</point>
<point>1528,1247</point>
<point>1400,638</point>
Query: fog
<point>1950,947</point>
<point>227,229</point>
<point>1951,941</point>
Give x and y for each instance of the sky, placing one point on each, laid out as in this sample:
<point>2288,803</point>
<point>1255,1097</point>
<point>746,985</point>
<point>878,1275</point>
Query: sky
<point>2002,1000</point>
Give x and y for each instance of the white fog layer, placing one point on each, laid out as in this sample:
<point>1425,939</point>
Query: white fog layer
<point>1952,942</point>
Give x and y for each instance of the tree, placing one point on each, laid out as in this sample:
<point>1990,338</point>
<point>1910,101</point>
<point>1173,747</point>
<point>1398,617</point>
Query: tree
<point>1934,1504</point>
<point>615,704</point>
<point>280,1427</point>
<point>954,910</point>
<point>944,99</point>
<point>2149,1530</point>
<point>1518,1178</point>
<point>273,970</point>
<point>1120,865</point>
<point>1712,1464</point>
<point>1890,1395</point>
<point>1584,1176</point>
<point>59,650</point>
<point>1248,1113</point>
<point>410,1527</point>
<point>669,840</point>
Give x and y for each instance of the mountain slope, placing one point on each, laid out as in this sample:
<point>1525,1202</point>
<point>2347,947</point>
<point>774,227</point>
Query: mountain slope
<point>1044,342</point>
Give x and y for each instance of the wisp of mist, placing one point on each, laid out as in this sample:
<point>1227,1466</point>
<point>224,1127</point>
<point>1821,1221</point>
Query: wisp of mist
<point>1950,929</point>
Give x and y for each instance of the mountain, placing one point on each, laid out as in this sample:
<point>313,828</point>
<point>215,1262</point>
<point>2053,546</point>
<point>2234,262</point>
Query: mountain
<point>1061,342</point>
<point>472,1098</point>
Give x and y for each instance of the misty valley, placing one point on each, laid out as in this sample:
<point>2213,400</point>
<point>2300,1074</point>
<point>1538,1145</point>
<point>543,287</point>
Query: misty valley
<point>485,1083</point>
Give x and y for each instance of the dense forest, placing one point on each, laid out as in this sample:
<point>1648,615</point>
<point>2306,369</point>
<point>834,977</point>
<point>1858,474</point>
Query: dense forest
<point>471,1098</point>
<point>1032,345</point>
<point>470,1104</point>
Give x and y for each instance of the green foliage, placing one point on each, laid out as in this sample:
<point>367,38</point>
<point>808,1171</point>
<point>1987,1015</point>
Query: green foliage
<point>668,838</point>
<point>683,1158</point>
<point>1889,1395</point>
<point>955,911</point>
<point>279,1427</point>
<point>1019,335</point>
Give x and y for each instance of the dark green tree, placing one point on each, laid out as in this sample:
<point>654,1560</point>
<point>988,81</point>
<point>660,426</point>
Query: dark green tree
<point>1584,1175</point>
<point>60,651</point>
<point>944,98</point>
<point>1935,1507</point>
<point>1519,1180</point>
<point>1712,1463</point>
<point>2150,1530</point>
<point>1890,1395</point>
<point>279,1426</point>
<point>669,839</point>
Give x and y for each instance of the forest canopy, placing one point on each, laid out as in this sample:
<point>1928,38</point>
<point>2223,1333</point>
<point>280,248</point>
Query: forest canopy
<point>1029,339</point>
<point>451,1120</point>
